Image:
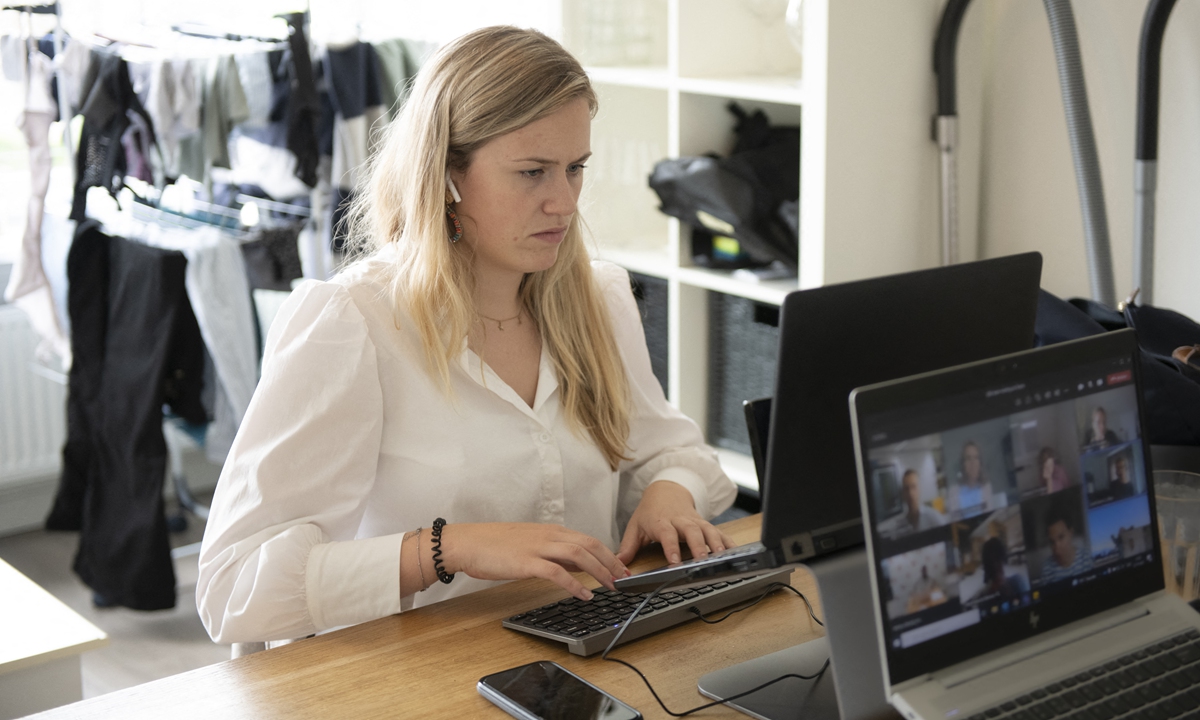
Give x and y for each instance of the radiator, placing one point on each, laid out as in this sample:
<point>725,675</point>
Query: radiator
<point>33,418</point>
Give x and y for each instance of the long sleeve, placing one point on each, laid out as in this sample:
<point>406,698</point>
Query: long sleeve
<point>280,558</point>
<point>664,443</point>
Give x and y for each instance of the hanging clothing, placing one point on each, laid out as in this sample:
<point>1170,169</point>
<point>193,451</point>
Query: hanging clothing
<point>399,61</point>
<point>259,156</point>
<point>259,149</point>
<point>254,71</point>
<point>137,346</point>
<point>73,67</point>
<point>353,79</point>
<point>219,295</point>
<point>27,286</point>
<point>173,103</point>
<point>138,143</point>
<point>272,258</point>
<point>100,160</point>
<point>303,106</point>
<point>39,94</point>
<point>223,105</point>
<point>13,49</point>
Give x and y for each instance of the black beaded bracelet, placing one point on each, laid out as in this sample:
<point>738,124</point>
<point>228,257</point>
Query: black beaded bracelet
<point>436,534</point>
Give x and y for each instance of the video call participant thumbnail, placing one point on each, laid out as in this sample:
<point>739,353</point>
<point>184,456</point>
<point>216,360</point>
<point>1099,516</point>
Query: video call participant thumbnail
<point>1053,475</point>
<point>926,593</point>
<point>997,582</point>
<point>1068,555</point>
<point>1121,482</point>
<point>973,493</point>
<point>1098,435</point>
<point>916,516</point>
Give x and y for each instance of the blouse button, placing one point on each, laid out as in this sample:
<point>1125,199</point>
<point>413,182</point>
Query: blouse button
<point>544,437</point>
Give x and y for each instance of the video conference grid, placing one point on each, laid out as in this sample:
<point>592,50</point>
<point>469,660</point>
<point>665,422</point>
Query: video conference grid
<point>995,514</point>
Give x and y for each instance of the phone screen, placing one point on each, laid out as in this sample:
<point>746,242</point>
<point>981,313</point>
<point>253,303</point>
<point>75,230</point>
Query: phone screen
<point>548,690</point>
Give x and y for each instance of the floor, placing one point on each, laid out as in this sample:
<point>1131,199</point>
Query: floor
<point>143,646</point>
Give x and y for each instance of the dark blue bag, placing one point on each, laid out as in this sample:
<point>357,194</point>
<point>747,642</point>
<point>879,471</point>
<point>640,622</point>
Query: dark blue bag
<point>1170,387</point>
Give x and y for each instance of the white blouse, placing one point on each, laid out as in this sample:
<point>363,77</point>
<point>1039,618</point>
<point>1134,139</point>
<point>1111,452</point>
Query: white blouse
<point>349,442</point>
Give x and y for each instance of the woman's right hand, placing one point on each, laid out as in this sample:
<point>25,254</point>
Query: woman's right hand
<point>512,551</point>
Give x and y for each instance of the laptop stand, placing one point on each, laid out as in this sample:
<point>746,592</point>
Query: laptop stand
<point>852,687</point>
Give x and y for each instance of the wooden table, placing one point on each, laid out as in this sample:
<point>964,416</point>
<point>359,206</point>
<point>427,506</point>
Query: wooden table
<point>41,640</point>
<point>425,663</point>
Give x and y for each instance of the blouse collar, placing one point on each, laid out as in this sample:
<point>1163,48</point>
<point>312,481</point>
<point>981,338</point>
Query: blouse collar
<point>488,379</point>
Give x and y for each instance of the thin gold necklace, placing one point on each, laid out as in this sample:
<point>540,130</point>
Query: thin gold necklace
<point>500,323</point>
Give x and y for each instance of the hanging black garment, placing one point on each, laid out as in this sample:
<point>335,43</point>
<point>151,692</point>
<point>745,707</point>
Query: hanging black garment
<point>302,105</point>
<point>137,346</point>
<point>272,258</point>
<point>108,98</point>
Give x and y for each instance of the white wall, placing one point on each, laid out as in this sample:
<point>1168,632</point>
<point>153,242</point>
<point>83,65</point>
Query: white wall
<point>876,212</point>
<point>1016,178</point>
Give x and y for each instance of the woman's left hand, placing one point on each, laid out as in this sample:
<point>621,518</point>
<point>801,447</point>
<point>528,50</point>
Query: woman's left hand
<point>665,514</point>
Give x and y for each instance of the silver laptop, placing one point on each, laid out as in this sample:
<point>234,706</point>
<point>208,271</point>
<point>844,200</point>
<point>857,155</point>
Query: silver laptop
<point>1015,561</point>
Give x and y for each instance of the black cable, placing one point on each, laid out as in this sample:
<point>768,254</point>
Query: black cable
<point>770,589</point>
<point>651,595</point>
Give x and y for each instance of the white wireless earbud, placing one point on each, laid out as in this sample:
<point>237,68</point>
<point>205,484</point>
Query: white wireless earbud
<point>453,190</point>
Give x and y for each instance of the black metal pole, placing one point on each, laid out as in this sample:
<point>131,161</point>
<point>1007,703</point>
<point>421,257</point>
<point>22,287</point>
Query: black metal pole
<point>1145,179</point>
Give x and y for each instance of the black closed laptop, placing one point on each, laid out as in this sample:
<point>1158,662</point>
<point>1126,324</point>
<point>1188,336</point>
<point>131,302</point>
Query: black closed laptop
<point>839,337</point>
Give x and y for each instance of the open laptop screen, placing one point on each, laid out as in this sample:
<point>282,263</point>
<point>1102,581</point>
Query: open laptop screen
<point>1005,498</point>
<point>842,336</point>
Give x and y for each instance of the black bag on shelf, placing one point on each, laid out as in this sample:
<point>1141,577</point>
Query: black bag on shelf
<point>1170,386</point>
<point>740,195</point>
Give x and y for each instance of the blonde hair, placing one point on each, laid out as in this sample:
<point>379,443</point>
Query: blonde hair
<point>483,85</point>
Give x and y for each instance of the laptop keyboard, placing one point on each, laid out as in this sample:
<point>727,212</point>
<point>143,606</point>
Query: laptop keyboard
<point>1158,682</point>
<point>588,627</point>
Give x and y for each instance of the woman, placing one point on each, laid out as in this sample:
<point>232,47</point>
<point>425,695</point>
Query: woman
<point>972,494</point>
<point>474,366</point>
<point>1053,475</point>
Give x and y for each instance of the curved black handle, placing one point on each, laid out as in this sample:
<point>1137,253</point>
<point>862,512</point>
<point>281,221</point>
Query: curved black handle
<point>944,46</point>
<point>1149,68</point>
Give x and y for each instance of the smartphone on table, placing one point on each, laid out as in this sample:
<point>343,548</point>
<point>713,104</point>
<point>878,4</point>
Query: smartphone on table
<point>545,690</point>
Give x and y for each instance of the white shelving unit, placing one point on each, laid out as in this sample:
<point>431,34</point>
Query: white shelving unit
<point>862,94</point>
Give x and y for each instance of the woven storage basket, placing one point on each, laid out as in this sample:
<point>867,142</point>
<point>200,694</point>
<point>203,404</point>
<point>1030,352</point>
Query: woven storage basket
<point>743,341</point>
<point>651,295</point>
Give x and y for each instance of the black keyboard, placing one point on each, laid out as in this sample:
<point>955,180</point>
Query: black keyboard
<point>588,627</point>
<point>1158,682</point>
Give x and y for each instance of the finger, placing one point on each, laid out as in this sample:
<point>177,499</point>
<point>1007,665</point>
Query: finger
<point>630,544</point>
<point>694,537</point>
<point>728,541</point>
<point>712,537</point>
<point>669,538</point>
<point>614,565</point>
<point>555,573</point>
<point>565,553</point>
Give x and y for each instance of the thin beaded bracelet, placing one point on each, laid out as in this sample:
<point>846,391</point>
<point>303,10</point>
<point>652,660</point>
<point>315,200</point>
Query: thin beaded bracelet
<point>436,534</point>
<point>420,569</point>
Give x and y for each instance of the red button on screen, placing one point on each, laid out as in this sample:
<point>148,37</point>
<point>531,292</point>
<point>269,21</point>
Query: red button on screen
<point>1119,377</point>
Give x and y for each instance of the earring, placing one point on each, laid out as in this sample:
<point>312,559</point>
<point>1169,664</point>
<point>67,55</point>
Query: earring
<point>457,225</point>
